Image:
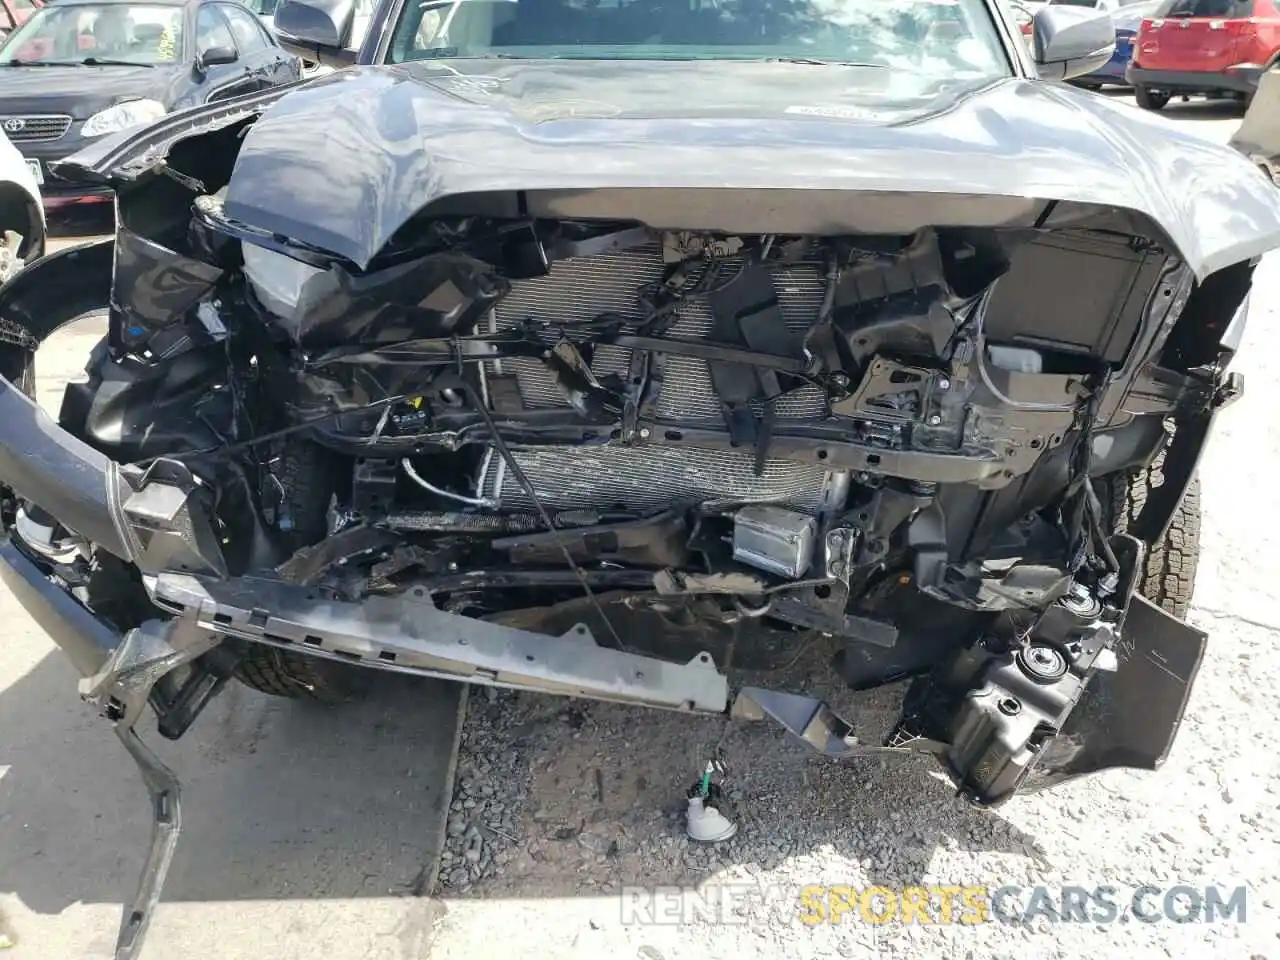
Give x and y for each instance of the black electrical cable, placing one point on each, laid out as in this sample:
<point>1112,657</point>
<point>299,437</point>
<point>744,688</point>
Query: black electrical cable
<point>268,437</point>
<point>514,466</point>
<point>1101,542</point>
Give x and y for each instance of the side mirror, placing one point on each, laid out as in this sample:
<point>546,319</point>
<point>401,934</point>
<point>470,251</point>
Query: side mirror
<point>1071,41</point>
<point>215,56</point>
<point>317,29</point>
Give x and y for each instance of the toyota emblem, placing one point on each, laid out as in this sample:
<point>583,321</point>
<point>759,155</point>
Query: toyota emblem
<point>14,124</point>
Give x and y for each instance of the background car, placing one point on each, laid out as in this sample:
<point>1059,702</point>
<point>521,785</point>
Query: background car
<point>80,69</point>
<point>1127,17</point>
<point>13,13</point>
<point>22,225</point>
<point>1216,48</point>
<point>1024,11</point>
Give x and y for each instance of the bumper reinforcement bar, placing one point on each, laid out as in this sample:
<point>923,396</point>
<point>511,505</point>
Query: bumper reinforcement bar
<point>407,633</point>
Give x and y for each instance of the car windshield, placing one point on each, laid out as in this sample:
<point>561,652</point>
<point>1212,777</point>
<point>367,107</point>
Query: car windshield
<point>955,38</point>
<point>1234,9</point>
<point>144,34</point>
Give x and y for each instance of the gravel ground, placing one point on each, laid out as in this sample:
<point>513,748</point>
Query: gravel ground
<point>561,806</point>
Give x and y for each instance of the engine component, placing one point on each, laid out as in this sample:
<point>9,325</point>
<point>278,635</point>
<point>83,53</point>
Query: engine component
<point>648,479</point>
<point>481,524</point>
<point>1011,703</point>
<point>582,288</point>
<point>774,539</point>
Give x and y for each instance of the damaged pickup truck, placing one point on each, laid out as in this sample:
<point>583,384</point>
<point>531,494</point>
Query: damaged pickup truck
<point>575,348</point>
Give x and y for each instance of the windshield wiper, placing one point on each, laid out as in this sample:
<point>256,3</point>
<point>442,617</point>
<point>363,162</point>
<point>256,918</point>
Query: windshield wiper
<point>822,63</point>
<point>108,62</point>
<point>15,62</point>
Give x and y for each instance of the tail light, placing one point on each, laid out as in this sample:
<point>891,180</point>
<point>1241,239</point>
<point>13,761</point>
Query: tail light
<point>1028,28</point>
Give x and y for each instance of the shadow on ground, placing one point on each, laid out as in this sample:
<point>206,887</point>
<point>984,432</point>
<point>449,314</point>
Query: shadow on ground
<point>1194,109</point>
<point>292,800</point>
<point>605,799</point>
<point>281,799</point>
<point>1203,110</point>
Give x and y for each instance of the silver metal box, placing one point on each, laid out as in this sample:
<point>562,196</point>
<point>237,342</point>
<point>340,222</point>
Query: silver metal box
<point>774,539</point>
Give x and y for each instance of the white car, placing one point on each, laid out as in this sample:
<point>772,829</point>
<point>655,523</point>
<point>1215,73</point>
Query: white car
<point>22,224</point>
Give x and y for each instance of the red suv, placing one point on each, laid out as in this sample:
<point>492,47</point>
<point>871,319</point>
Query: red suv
<point>1213,47</point>
<point>14,13</point>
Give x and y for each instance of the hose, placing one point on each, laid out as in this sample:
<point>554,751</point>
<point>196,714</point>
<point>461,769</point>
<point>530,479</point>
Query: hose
<point>425,485</point>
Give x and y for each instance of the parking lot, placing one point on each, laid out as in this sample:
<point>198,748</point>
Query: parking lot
<point>315,833</point>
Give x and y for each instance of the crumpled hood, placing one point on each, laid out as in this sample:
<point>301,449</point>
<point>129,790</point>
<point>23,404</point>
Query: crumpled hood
<point>343,162</point>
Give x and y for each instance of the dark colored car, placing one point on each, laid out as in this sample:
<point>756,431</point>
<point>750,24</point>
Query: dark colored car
<point>79,70</point>
<point>1216,48</point>
<point>583,349</point>
<point>1258,136</point>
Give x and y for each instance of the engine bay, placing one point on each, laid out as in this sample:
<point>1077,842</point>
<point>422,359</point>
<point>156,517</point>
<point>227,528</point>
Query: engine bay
<point>723,427</point>
<point>599,458</point>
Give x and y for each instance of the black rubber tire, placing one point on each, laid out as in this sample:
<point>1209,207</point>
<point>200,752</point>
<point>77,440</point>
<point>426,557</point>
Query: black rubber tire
<point>1148,100</point>
<point>283,673</point>
<point>309,474</point>
<point>1170,576</point>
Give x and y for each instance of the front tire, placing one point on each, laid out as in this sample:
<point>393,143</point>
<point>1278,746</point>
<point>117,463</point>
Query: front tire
<point>1148,99</point>
<point>1169,577</point>
<point>295,676</point>
<point>309,475</point>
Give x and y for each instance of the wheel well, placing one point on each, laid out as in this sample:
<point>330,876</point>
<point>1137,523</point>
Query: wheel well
<point>1195,338</point>
<point>18,212</point>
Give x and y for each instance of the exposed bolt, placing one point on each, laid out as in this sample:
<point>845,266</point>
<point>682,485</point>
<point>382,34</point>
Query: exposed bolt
<point>1042,657</point>
<point>1009,707</point>
<point>934,420</point>
<point>453,566</point>
<point>644,433</point>
<point>944,384</point>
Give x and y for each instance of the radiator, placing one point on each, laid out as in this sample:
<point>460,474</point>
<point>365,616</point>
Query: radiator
<point>584,287</point>
<point>650,477</point>
<point>646,479</point>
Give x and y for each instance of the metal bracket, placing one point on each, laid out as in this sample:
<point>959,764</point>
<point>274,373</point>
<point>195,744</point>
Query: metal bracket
<point>121,690</point>
<point>818,725</point>
<point>1228,391</point>
<point>409,634</point>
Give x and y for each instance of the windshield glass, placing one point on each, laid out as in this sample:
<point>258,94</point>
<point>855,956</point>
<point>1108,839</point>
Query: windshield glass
<point>954,38</point>
<point>121,32</point>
